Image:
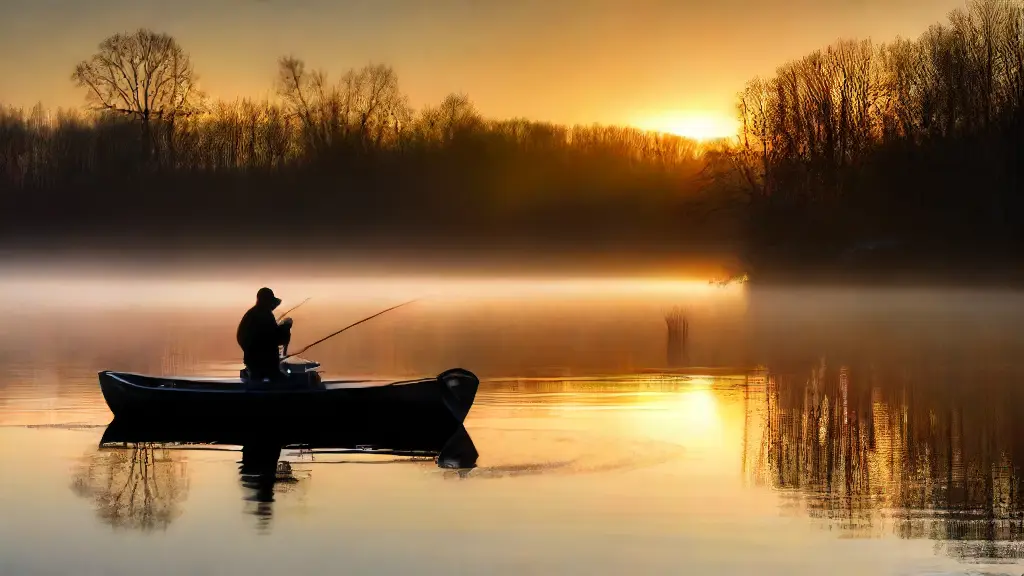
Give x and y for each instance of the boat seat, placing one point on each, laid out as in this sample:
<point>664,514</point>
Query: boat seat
<point>292,381</point>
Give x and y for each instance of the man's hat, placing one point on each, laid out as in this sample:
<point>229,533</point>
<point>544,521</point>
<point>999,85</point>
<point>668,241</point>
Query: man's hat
<point>266,296</point>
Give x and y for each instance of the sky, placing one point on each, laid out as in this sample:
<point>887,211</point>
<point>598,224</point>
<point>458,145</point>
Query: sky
<point>649,63</point>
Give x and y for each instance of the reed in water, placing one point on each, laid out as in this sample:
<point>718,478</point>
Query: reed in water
<point>678,335</point>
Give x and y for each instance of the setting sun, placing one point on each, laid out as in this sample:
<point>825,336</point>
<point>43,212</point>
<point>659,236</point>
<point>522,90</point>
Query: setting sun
<point>700,126</point>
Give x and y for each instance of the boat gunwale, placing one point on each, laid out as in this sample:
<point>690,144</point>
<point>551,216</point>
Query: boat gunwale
<point>241,389</point>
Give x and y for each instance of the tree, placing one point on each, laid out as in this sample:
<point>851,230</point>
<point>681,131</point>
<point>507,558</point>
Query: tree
<point>365,109</point>
<point>456,114</point>
<point>145,75</point>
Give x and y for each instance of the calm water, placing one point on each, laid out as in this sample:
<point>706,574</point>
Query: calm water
<point>796,432</point>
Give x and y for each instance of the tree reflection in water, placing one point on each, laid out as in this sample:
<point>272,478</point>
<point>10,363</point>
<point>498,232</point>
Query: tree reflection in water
<point>917,451</point>
<point>139,487</point>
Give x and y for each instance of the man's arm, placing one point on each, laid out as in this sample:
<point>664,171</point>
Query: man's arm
<point>284,333</point>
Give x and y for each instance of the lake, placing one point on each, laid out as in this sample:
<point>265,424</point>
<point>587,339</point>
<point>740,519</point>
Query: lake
<point>785,431</point>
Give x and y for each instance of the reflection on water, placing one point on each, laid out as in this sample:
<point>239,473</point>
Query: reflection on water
<point>921,453</point>
<point>263,475</point>
<point>141,487</point>
<point>133,448</point>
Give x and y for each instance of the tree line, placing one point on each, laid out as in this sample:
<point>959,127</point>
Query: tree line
<point>918,142</point>
<point>332,159</point>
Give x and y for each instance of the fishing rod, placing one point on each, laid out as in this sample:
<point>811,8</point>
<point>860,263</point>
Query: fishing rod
<point>293,309</point>
<point>333,334</point>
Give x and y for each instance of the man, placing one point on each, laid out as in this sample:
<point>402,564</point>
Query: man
<point>259,336</point>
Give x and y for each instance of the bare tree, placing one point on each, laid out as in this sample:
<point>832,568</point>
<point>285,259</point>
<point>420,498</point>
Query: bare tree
<point>454,115</point>
<point>457,113</point>
<point>145,75</point>
<point>365,109</point>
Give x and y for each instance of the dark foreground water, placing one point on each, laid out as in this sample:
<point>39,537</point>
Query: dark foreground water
<point>795,432</point>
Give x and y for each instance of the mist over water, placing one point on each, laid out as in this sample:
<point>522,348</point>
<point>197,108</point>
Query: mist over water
<point>797,431</point>
<point>505,326</point>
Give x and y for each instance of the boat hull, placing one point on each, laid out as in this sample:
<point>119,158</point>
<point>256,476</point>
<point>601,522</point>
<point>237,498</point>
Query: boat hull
<point>397,415</point>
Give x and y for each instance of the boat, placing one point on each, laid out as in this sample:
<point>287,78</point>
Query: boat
<point>303,410</point>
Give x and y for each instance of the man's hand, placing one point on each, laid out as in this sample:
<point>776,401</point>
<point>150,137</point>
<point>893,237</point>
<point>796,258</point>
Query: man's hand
<point>286,322</point>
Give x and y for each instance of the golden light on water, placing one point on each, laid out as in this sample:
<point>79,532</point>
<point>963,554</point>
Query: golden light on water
<point>698,413</point>
<point>694,416</point>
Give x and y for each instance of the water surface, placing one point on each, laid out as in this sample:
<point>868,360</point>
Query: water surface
<point>798,432</point>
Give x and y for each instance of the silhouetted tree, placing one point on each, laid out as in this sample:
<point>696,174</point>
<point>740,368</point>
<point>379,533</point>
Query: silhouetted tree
<point>916,139</point>
<point>922,140</point>
<point>365,109</point>
<point>145,75</point>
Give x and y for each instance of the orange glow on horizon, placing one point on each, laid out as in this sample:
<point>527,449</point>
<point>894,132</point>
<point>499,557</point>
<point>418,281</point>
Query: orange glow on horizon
<point>699,126</point>
<point>120,290</point>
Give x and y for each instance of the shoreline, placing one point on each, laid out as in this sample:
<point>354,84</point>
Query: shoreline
<point>715,265</point>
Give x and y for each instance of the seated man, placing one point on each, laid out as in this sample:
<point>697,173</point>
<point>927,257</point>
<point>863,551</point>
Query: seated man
<point>259,336</point>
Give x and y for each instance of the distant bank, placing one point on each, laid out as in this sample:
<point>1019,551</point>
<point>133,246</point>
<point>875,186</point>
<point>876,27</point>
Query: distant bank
<point>439,255</point>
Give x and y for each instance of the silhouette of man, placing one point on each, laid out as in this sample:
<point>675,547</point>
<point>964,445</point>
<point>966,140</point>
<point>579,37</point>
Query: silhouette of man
<point>259,336</point>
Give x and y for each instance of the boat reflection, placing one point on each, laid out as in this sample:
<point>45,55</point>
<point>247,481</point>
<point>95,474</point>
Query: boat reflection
<point>451,447</point>
<point>138,479</point>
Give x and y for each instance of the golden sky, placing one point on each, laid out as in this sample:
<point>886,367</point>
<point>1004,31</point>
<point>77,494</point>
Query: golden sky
<point>571,61</point>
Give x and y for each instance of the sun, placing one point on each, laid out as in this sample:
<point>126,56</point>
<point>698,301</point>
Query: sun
<point>700,126</point>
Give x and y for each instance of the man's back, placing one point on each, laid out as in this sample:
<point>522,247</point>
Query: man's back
<point>258,336</point>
